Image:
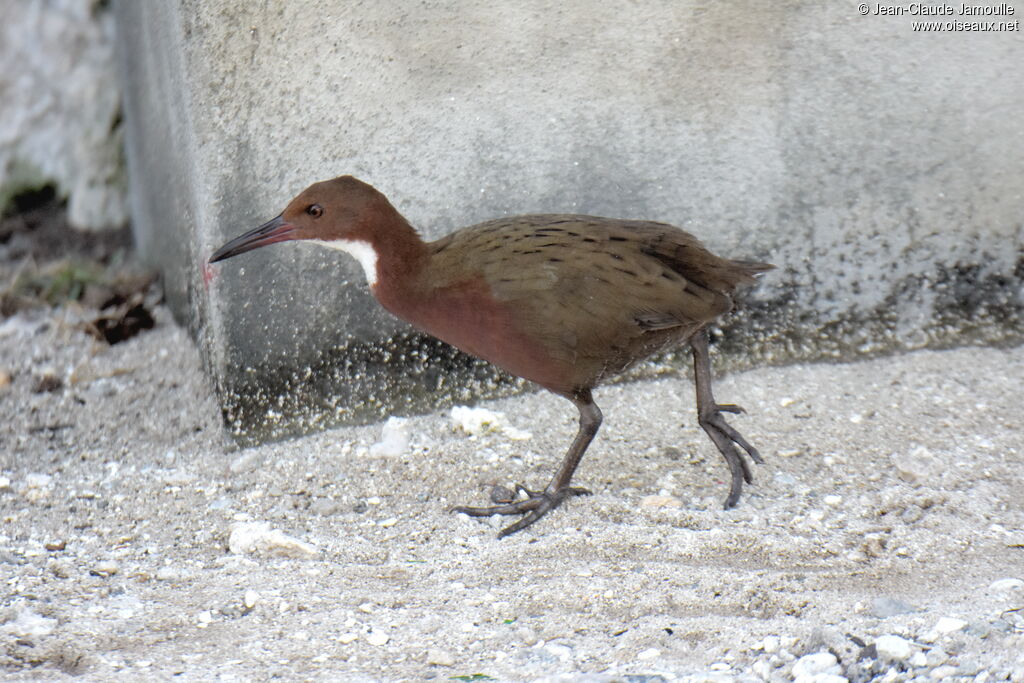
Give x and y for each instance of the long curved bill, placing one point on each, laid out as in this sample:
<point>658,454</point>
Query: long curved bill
<point>271,232</point>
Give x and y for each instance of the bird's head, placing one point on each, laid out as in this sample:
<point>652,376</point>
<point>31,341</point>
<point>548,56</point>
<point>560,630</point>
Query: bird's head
<point>343,213</point>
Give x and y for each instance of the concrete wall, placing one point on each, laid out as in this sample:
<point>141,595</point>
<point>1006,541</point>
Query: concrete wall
<point>881,168</point>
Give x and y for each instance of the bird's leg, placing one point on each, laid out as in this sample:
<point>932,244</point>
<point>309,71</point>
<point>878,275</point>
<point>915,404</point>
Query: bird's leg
<point>539,503</point>
<point>709,415</point>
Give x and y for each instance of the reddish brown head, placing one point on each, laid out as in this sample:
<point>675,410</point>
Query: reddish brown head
<point>344,213</point>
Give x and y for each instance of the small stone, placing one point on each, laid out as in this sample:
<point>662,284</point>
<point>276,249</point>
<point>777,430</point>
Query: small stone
<point>394,439</point>
<point>440,658</point>
<point>788,452</point>
<point>918,660</point>
<point>346,638</point>
<point>48,381</point>
<point>833,500</point>
<point>177,477</point>
<point>476,421</point>
<point>941,673</point>
<point>250,599</point>
<point>246,462</point>
<point>390,522</point>
<point>936,657</point>
<point>816,663</point>
<point>260,539</point>
<point>886,607</point>
<point>168,573</point>
<point>55,546</point>
<point>649,653</point>
<point>324,507</point>
<point>653,502</point>
<point>29,624</point>
<point>36,487</point>
<point>893,648</point>
<point>527,636</point>
<point>949,625</point>
<point>377,638</point>
<point>1007,585</point>
<point>204,618</point>
<point>5,379</point>
<point>501,495</point>
<point>61,569</point>
<point>770,644</point>
<point>785,479</point>
<point>5,484</point>
<point>914,467</point>
<point>104,568</point>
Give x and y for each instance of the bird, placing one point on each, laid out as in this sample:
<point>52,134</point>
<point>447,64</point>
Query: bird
<point>565,301</point>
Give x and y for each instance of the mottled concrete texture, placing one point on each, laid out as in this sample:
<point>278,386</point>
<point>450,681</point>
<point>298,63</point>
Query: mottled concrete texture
<point>881,168</point>
<point>60,115</point>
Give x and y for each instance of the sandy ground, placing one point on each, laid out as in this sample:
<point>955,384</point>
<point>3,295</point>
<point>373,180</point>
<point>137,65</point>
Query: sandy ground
<point>883,539</point>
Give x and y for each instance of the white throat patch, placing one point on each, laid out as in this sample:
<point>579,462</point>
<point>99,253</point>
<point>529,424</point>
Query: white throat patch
<point>362,251</point>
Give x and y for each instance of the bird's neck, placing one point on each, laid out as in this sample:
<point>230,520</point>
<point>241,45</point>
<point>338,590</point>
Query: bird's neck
<point>392,254</point>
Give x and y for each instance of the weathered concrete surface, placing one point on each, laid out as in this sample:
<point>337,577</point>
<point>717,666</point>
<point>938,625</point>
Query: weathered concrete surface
<point>60,108</point>
<point>879,167</point>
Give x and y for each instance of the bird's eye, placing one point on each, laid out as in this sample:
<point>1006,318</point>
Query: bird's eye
<point>315,210</point>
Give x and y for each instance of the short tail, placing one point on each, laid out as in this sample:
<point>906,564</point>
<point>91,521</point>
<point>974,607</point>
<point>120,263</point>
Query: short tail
<point>749,270</point>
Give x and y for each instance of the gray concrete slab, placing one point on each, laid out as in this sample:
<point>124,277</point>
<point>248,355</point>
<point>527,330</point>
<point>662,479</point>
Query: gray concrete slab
<point>878,165</point>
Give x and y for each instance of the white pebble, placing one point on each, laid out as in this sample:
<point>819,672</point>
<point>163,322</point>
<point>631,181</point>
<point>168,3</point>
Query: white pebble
<point>893,648</point>
<point>771,644</point>
<point>649,653</point>
<point>105,568</point>
<point>816,663</point>
<point>440,658</point>
<point>936,657</point>
<point>833,500</point>
<point>29,624</point>
<point>346,638</point>
<point>949,625</point>
<point>250,599</point>
<point>246,462</point>
<point>914,467</point>
<point>942,673</point>
<point>260,539</point>
<point>169,573</point>
<point>660,502</point>
<point>36,487</point>
<point>394,439</point>
<point>1007,585</point>
<point>477,421</point>
<point>919,660</point>
<point>377,638</point>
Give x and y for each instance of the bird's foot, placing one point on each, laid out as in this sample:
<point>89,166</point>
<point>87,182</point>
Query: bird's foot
<point>533,507</point>
<point>726,439</point>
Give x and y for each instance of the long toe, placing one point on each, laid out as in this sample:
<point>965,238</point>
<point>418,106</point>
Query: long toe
<point>533,507</point>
